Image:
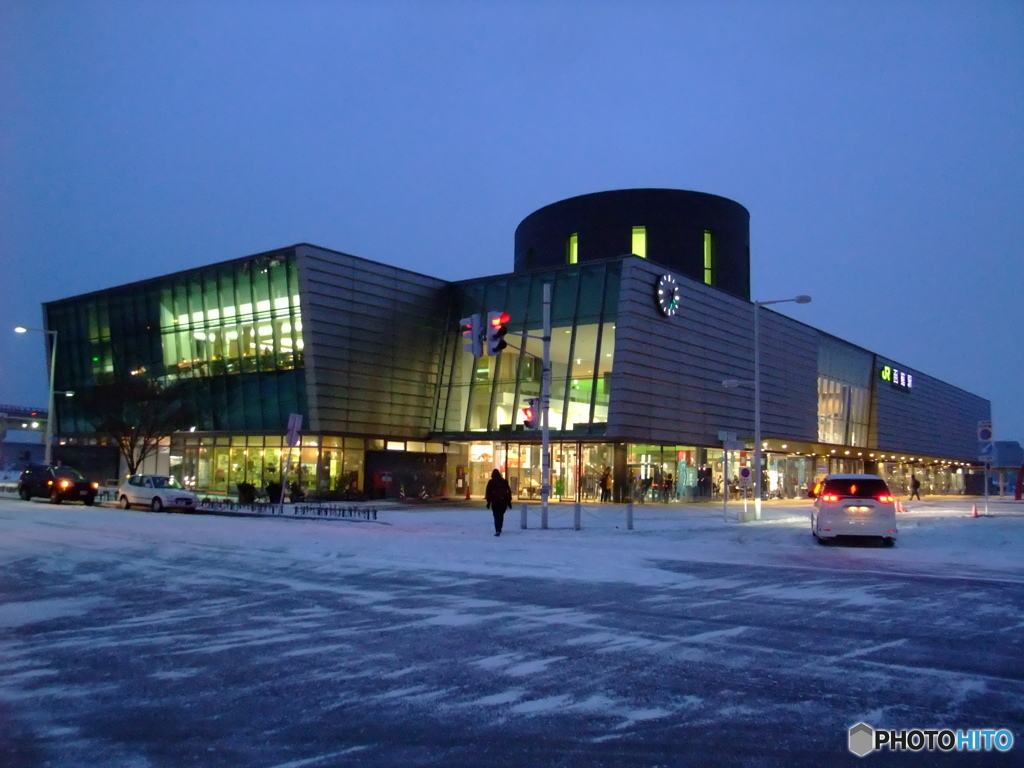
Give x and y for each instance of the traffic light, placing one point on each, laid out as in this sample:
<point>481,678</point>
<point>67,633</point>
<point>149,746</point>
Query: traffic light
<point>531,413</point>
<point>473,335</point>
<point>497,327</point>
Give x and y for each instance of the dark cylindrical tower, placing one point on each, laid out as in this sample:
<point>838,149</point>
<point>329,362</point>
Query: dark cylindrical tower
<point>702,236</point>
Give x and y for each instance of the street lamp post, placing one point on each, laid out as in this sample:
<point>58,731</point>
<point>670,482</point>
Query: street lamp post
<point>801,299</point>
<point>50,415</point>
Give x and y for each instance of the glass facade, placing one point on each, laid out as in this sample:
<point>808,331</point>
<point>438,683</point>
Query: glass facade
<point>230,334</point>
<point>239,318</point>
<point>218,463</point>
<point>844,393</point>
<point>486,394</point>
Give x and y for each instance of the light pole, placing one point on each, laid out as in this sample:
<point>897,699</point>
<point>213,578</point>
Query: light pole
<point>50,415</point>
<point>801,299</point>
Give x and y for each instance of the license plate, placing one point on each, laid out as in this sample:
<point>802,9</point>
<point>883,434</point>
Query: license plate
<point>83,493</point>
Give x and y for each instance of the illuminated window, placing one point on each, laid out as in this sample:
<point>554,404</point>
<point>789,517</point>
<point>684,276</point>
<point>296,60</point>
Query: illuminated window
<point>640,241</point>
<point>572,249</point>
<point>235,319</point>
<point>709,258</point>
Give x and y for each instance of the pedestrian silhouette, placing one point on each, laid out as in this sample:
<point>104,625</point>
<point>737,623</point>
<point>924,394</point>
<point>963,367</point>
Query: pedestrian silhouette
<point>499,497</point>
<point>915,488</point>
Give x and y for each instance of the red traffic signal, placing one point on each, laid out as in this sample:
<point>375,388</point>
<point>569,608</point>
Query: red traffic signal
<point>473,335</point>
<point>497,327</point>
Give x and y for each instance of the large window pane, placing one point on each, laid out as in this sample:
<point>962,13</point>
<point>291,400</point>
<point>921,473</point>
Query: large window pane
<point>239,318</point>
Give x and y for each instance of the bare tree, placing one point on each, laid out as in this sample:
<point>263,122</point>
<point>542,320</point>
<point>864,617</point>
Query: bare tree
<point>136,413</point>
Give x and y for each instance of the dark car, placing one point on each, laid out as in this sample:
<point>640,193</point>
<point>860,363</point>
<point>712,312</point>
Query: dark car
<point>56,484</point>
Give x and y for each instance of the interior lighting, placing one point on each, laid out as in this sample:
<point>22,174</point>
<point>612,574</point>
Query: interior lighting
<point>640,242</point>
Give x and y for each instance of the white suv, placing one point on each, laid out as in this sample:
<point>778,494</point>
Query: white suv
<point>853,505</point>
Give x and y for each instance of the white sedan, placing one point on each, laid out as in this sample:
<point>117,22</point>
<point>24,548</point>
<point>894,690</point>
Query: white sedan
<point>156,492</point>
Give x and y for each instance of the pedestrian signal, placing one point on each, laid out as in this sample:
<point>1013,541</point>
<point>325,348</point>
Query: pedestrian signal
<point>531,412</point>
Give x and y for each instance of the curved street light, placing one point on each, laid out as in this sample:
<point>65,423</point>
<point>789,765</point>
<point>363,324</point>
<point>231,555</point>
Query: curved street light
<point>801,299</point>
<point>50,415</point>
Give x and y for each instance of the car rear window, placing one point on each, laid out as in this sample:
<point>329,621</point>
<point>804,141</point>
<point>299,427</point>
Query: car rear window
<point>856,488</point>
<point>67,472</point>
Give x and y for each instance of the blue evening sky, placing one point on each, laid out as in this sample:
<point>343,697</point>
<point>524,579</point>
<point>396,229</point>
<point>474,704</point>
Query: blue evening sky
<point>877,146</point>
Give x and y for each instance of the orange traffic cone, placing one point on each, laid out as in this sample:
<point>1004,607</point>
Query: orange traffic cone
<point>975,511</point>
<point>899,506</point>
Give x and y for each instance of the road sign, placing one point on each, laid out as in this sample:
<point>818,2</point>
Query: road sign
<point>986,451</point>
<point>984,431</point>
<point>294,426</point>
<point>746,479</point>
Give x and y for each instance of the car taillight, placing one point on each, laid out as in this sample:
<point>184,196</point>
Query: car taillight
<point>830,497</point>
<point>65,483</point>
<point>96,486</point>
<point>885,498</point>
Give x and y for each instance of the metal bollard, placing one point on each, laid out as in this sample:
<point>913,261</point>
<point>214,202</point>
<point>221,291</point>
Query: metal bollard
<point>577,509</point>
<point>522,516</point>
<point>629,515</point>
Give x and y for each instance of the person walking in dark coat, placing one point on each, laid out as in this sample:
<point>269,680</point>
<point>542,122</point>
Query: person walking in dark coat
<point>606,484</point>
<point>915,488</point>
<point>499,498</point>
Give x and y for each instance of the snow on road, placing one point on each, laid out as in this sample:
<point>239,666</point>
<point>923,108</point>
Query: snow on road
<point>148,625</point>
<point>939,537</point>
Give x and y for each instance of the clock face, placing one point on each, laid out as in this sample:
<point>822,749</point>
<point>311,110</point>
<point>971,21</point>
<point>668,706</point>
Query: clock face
<point>667,294</point>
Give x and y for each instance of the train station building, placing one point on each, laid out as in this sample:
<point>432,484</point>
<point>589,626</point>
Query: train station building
<point>651,312</point>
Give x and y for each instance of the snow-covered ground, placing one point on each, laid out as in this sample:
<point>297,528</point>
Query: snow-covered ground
<point>133,638</point>
<point>939,536</point>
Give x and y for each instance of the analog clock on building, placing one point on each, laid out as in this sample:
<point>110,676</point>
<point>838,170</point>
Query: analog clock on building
<point>667,294</point>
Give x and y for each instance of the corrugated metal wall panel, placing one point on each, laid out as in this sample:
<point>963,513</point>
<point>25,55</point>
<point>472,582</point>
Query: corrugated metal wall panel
<point>372,335</point>
<point>667,381</point>
<point>932,418</point>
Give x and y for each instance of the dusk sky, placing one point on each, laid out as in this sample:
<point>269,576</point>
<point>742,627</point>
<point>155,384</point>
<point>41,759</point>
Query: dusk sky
<point>877,145</point>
